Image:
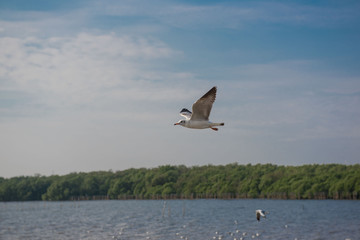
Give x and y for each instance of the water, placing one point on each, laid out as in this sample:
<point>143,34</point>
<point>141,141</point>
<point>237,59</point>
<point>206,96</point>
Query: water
<point>180,219</point>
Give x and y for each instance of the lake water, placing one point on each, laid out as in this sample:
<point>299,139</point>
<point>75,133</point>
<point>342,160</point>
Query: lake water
<point>181,219</point>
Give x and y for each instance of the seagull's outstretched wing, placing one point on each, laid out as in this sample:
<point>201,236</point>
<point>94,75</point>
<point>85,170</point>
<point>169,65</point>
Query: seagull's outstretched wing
<point>202,107</point>
<point>185,113</point>
<point>258,216</point>
<point>260,213</point>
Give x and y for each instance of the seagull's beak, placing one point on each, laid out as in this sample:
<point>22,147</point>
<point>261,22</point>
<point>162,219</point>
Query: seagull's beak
<point>176,124</point>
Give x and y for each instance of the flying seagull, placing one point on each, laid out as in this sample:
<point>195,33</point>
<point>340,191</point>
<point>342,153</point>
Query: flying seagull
<point>199,118</point>
<point>260,213</point>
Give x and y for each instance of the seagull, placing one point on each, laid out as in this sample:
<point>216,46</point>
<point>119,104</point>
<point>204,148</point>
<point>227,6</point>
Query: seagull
<point>199,118</point>
<point>260,213</point>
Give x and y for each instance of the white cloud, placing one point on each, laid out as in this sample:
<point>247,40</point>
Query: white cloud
<point>84,69</point>
<point>293,100</point>
<point>230,15</point>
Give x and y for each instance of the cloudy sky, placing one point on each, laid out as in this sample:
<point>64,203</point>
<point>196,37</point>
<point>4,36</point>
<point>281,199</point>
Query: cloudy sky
<point>98,85</point>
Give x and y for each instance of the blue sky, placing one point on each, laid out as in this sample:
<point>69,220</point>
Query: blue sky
<point>97,85</point>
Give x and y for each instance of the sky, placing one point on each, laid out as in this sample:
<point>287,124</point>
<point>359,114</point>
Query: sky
<point>98,85</point>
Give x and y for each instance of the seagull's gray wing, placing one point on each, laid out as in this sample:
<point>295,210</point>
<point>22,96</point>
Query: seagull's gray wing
<point>202,107</point>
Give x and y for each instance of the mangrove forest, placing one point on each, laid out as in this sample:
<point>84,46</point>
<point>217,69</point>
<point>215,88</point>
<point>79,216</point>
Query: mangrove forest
<point>325,181</point>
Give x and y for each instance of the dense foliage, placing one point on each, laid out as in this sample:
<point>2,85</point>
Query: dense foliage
<point>334,181</point>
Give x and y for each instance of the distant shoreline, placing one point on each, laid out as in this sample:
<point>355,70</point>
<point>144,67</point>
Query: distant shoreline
<point>232,181</point>
<point>342,196</point>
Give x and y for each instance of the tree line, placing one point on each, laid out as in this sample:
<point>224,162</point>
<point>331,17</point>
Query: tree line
<point>326,181</point>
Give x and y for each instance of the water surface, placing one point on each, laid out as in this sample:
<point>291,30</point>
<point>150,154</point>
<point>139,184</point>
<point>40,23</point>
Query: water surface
<point>180,219</point>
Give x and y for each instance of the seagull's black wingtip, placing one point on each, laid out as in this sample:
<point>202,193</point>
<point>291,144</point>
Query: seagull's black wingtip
<point>185,110</point>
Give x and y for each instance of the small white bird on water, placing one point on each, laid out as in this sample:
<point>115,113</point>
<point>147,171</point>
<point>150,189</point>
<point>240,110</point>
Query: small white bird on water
<point>199,118</point>
<point>260,213</point>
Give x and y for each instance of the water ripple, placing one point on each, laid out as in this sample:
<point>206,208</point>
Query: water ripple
<point>180,219</point>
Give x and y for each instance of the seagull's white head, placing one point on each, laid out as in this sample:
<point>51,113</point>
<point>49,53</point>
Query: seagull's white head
<point>181,122</point>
